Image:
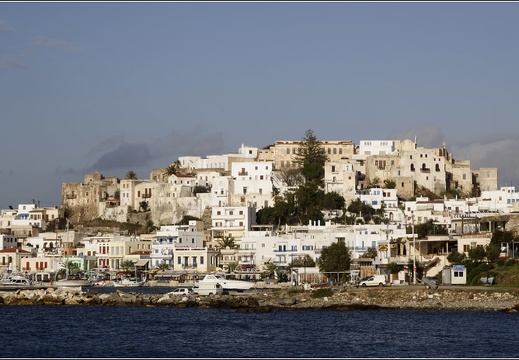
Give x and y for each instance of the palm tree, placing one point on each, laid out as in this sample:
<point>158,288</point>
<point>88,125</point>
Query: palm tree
<point>163,266</point>
<point>224,243</point>
<point>131,175</point>
<point>127,266</point>
<point>270,272</point>
<point>233,266</point>
<point>227,241</point>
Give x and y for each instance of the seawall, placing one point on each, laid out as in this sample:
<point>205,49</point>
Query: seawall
<point>487,299</point>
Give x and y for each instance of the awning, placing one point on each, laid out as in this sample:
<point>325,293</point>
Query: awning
<point>142,262</point>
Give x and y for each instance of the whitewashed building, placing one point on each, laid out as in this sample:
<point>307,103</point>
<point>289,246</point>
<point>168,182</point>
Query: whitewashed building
<point>172,236</point>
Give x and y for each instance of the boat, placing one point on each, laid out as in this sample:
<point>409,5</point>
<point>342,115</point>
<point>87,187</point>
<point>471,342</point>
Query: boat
<point>129,282</point>
<point>72,283</point>
<point>16,280</point>
<point>227,284</point>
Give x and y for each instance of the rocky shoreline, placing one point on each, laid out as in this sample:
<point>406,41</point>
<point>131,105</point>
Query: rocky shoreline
<point>264,300</point>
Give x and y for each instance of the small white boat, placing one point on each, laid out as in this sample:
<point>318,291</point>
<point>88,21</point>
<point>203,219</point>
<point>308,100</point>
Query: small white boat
<point>129,282</point>
<point>72,283</point>
<point>17,280</point>
<point>227,284</point>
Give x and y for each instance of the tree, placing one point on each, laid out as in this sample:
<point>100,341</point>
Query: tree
<point>233,266</point>
<point>131,175</point>
<point>335,258</point>
<point>389,184</point>
<point>127,266</point>
<point>455,257</point>
<point>311,157</point>
<point>163,266</point>
<point>394,268</point>
<point>332,201</point>
<point>370,253</point>
<point>302,261</point>
<point>227,242</point>
<point>477,254</point>
<point>173,169</point>
<point>492,252</point>
<point>291,176</point>
<point>270,271</point>
<point>143,205</point>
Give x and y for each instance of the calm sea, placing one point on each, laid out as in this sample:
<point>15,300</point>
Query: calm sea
<point>169,332</point>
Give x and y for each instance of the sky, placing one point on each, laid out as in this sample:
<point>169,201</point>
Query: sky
<point>111,87</point>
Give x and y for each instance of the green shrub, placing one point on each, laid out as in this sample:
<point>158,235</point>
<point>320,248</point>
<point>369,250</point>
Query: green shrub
<point>510,262</point>
<point>296,290</point>
<point>319,293</point>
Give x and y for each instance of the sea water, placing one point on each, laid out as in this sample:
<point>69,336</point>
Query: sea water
<point>169,332</point>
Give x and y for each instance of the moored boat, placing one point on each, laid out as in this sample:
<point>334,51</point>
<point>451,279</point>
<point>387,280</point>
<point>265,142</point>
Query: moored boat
<point>18,280</point>
<point>129,282</point>
<point>227,284</point>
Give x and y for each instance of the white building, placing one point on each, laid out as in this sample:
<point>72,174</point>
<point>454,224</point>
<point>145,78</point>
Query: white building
<point>341,177</point>
<point>251,183</point>
<point>8,241</point>
<point>232,220</point>
<point>175,236</point>
<point>98,247</point>
<point>504,200</point>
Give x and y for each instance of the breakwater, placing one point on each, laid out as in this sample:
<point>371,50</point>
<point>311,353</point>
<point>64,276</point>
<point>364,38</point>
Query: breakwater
<point>258,300</point>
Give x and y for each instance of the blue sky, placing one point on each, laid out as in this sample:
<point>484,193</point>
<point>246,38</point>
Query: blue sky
<point>112,87</point>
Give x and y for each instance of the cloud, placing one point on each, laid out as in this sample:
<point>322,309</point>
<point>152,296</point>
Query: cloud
<point>11,62</point>
<point>115,154</point>
<point>428,136</point>
<point>125,156</point>
<point>47,42</point>
<point>494,151</point>
<point>5,27</point>
<point>106,145</point>
<point>189,142</point>
<point>489,150</point>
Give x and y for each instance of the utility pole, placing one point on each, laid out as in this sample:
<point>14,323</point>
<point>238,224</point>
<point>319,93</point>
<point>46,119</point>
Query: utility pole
<point>414,248</point>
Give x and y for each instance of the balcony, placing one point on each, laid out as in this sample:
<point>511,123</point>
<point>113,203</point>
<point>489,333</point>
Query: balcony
<point>146,195</point>
<point>71,196</point>
<point>425,170</point>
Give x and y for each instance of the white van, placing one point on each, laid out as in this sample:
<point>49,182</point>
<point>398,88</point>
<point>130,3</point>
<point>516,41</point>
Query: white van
<point>373,280</point>
<point>208,289</point>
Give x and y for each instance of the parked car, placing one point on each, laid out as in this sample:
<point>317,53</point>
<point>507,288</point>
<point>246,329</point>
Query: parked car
<point>431,282</point>
<point>208,289</point>
<point>181,291</point>
<point>374,280</point>
<point>357,282</point>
